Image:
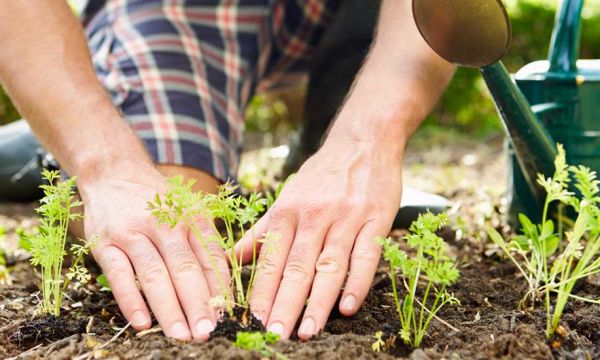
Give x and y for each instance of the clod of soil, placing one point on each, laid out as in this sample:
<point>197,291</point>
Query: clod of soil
<point>45,330</point>
<point>242,320</point>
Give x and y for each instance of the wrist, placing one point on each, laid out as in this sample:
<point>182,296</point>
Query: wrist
<point>379,129</point>
<point>117,154</point>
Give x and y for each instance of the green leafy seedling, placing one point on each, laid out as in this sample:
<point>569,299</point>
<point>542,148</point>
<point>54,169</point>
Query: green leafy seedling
<point>5,277</point>
<point>547,264</point>
<point>103,282</point>
<point>181,205</point>
<point>257,341</point>
<point>378,345</point>
<point>48,246</point>
<point>430,266</point>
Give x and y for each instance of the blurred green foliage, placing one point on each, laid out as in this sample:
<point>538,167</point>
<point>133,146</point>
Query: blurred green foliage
<point>8,112</point>
<point>467,105</point>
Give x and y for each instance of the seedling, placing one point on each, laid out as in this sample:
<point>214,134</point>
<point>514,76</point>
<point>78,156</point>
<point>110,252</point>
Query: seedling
<point>103,282</point>
<point>4,272</point>
<point>48,245</point>
<point>181,205</point>
<point>533,252</point>
<point>431,266</point>
<point>257,341</point>
<point>378,345</point>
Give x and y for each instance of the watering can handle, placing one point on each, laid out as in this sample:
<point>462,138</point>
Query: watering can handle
<point>564,47</point>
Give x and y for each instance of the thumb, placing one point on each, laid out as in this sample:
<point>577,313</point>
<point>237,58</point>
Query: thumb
<point>249,244</point>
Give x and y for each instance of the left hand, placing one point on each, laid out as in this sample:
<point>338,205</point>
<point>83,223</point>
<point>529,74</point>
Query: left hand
<point>327,219</point>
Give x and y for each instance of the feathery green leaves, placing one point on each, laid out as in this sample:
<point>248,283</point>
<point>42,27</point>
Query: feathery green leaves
<point>431,265</point>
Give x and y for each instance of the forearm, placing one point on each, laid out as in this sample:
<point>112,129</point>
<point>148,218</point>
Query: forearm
<point>46,69</point>
<point>397,87</point>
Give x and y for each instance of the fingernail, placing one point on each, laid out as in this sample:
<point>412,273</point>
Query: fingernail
<point>139,318</point>
<point>307,327</point>
<point>349,303</point>
<point>204,327</point>
<point>180,331</point>
<point>277,328</point>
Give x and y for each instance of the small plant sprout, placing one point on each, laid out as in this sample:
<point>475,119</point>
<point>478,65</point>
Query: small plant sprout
<point>103,282</point>
<point>257,341</point>
<point>378,345</point>
<point>548,265</point>
<point>181,205</point>
<point>48,245</point>
<point>430,266</point>
<point>5,278</point>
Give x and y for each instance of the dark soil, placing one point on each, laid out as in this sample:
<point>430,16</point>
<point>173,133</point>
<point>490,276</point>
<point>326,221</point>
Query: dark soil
<point>242,320</point>
<point>45,330</point>
<point>487,325</point>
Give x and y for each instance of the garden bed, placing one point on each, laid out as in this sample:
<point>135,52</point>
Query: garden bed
<point>486,325</point>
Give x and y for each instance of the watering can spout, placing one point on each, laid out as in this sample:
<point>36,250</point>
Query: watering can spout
<point>534,147</point>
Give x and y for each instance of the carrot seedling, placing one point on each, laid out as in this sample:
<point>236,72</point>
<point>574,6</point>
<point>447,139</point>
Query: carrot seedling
<point>48,247</point>
<point>547,264</point>
<point>430,266</point>
<point>5,278</point>
<point>181,205</point>
<point>257,341</point>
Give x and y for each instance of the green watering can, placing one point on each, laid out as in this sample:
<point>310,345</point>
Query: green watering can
<point>556,100</point>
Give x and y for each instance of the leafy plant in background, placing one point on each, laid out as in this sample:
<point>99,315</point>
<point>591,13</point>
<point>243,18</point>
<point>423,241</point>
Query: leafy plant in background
<point>257,341</point>
<point>48,245</point>
<point>548,265</point>
<point>181,205</point>
<point>431,266</point>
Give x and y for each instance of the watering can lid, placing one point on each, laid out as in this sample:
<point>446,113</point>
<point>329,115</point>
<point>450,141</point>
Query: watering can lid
<point>473,33</point>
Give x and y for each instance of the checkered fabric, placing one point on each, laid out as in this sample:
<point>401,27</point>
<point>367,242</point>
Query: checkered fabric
<point>182,71</point>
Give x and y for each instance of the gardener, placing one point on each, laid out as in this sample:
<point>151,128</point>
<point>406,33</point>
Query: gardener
<point>179,75</point>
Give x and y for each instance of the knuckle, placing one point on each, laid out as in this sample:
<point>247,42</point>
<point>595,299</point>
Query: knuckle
<point>329,262</point>
<point>296,270</point>
<point>280,214</point>
<point>365,254</point>
<point>153,274</point>
<point>185,267</point>
<point>311,213</point>
<point>268,266</point>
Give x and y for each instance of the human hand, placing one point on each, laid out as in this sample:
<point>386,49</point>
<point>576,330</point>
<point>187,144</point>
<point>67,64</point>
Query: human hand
<point>172,269</point>
<point>327,218</point>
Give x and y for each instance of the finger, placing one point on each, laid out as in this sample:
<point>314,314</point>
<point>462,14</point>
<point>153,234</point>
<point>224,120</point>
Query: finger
<point>297,278</point>
<point>363,265</point>
<point>330,272</point>
<point>248,246</point>
<point>189,281</point>
<point>157,286</point>
<point>271,262</point>
<point>214,264</point>
<point>119,273</point>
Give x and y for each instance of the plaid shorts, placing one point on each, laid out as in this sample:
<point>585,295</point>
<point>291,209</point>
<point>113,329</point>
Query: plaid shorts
<point>183,71</point>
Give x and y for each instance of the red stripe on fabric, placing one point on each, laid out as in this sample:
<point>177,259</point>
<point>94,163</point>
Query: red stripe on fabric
<point>148,78</point>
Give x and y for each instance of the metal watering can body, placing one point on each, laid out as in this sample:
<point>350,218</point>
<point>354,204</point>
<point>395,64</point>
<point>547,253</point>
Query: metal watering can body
<point>551,101</point>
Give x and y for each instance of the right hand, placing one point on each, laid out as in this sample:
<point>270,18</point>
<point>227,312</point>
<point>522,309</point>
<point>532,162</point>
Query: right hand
<point>172,269</point>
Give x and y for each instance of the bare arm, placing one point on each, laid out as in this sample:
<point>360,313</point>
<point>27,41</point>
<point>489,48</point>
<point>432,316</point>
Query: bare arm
<point>46,69</point>
<point>348,193</point>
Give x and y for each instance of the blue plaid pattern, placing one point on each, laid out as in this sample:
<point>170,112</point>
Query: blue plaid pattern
<point>182,71</point>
